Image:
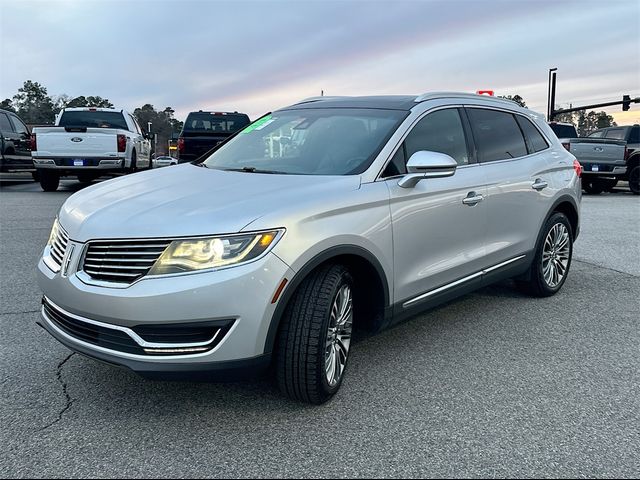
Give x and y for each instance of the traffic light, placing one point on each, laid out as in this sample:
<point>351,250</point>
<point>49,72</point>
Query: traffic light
<point>626,102</point>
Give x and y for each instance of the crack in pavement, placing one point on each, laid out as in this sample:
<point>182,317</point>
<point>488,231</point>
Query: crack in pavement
<point>68,399</point>
<point>603,267</point>
<point>18,313</point>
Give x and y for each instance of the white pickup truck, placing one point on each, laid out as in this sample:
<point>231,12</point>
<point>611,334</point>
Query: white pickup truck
<point>89,143</point>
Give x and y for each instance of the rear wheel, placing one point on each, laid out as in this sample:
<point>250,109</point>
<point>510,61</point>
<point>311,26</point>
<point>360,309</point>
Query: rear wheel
<point>634,180</point>
<point>552,259</point>
<point>315,336</point>
<point>86,177</point>
<point>134,163</point>
<point>49,181</point>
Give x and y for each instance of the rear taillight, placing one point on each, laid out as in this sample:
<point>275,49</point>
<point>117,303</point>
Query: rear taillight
<point>578,168</point>
<point>567,146</point>
<point>181,144</point>
<point>122,143</point>
<point>33,144</point>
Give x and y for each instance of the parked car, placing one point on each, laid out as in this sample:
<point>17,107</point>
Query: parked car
<point>164,161</point>
<point>379,208</point>
<point>631,135</point>
<point>603,161</point>
<point>15,144</point>
<point>204,130</point>
<point>88,143</point>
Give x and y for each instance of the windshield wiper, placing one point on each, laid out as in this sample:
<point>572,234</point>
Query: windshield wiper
<point>254,170</point>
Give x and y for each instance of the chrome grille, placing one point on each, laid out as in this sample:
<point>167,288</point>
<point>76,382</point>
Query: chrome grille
<point>122,262</point>
<point>59,247</point>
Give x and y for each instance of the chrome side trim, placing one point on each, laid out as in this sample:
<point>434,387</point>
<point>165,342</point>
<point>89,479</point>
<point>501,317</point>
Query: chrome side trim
<point>430,293</point>
<point>135,337</point>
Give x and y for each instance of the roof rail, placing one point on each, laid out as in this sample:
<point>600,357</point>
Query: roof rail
<point>315,99</point>
<point>434,95</point>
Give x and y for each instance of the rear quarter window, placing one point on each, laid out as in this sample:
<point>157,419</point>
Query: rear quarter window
<point>534,138</point>
<point>5,125</point>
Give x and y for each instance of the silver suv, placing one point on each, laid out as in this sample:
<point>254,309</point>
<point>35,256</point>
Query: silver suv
<point>330,216</point>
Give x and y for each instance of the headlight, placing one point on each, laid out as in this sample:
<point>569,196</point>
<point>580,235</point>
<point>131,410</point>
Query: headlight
<point>54,233</point>
<point>192,255</point>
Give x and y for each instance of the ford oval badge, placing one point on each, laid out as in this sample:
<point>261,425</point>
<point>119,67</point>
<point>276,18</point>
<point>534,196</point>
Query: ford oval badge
<point>76,139</point>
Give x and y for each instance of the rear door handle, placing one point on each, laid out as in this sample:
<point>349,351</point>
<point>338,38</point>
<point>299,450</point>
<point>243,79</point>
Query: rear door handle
<point>539,184</point>
<point>472,199</point>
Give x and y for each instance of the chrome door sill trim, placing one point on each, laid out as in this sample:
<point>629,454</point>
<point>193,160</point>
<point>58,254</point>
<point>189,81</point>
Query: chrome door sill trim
<point>430,293</point>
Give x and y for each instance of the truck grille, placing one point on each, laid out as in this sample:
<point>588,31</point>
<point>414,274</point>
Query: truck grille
<point>122,262</point>
<point>59,247</point>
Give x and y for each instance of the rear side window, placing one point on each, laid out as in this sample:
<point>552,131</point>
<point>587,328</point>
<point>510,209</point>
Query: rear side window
<point>535,139</point>
<point>5,126</point>
<point>93,119</point>
<point>18,125</point>
<point>634,137</point>
<point>440,131</point>
<point>615,133</point>
<point>496,134</point>
<point>211,123</point>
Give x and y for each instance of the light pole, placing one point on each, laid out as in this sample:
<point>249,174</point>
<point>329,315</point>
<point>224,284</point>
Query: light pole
<point>550,107</point>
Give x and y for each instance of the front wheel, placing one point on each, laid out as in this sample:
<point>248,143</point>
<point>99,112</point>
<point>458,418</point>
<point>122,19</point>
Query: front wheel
<point>552,259</point>
<point>315,336</point>
<point>634,180</point>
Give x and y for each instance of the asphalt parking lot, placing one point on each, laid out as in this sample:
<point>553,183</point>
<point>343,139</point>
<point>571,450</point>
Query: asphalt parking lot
<point>496,384</point>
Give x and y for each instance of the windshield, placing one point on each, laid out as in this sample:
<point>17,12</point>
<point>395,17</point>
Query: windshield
<point>338,141</point>
<point>212,122</point>
<point>93,119</point>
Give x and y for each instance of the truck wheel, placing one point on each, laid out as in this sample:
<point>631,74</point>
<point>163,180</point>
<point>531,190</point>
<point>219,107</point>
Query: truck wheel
<point>315,335</point>
<point>592,187</point>
<point>49,181</point>
<point>634,180</point>
<point>134,162</point>
<point>552,259</point>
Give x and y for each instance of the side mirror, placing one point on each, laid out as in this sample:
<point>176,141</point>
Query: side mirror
<point>424,164</point>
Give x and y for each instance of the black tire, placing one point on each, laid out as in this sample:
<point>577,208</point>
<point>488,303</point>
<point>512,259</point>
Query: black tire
<point>592,187</point>
<point>49,181</point>
<point>634,180</point>
<point>134,162</point>
<point>536,285</point>
<point>301,343</point>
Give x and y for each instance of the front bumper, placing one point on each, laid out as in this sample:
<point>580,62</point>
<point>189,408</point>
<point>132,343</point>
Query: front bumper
<point>238,296</point>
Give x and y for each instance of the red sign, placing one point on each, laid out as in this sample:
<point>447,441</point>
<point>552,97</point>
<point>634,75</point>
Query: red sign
<point>485,92</point>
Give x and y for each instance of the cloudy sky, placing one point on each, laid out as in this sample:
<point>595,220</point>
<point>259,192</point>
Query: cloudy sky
<point>255,56</point>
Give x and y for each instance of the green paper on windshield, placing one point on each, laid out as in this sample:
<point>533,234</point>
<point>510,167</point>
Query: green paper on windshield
<point>258,124</point>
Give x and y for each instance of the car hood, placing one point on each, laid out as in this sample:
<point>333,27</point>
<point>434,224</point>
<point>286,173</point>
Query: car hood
<point>188,200</point>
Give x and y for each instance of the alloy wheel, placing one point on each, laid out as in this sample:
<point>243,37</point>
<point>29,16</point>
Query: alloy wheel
<point>339,335</point>
<point>555,255</point>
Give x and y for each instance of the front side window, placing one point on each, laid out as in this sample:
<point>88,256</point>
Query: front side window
<point>440,131</point>
<point>496,134</point>
<point>322,141</point>
<point>615,133</point>
<point>535,139</point>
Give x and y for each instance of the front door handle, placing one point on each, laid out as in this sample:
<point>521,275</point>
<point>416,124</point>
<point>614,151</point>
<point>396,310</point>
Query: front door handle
<point>539,184</point>
<point>472,199</point>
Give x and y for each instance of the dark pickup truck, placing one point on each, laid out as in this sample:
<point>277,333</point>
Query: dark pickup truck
<point>631,135</point>
<point>204,130</point>
<point>15,144</point>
